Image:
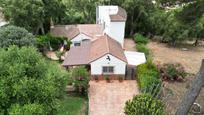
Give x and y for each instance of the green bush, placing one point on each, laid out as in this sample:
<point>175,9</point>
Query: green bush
<point>144,104</point>
<point>48,41</point>
<point>27,109</point>
<point>173,72</point>
<point>139,39</point>
<point>143,48</point>
<point>148,78</point>
<point>27,78</point>
<point>80,78</point>
<point>12,35</point>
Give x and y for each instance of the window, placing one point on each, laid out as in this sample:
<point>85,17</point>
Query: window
<point>77,44</point>
<point>108,70</point>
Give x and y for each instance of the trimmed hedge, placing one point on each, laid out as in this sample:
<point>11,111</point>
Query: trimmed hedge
<point>148,78</point>
<point>143,48</point>
<point>140,39</point>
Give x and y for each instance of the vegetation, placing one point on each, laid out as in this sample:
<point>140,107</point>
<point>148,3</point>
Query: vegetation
<point>140,39</point>
<point>49,42</point>
<point>172,72</point>
<point>144,104</point>
<point>35,15</point>
<point>72,105</point>
<point>29,83</point>
<point>12,35</point>
<point>80,78</point>
<point>146,17</point>
<point>148,78</point>
<point>143,48</point>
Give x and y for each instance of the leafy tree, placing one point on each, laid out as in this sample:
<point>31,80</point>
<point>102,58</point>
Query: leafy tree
<point>138,13</point>
<point>192,16</point>
<point>144,104</point>
<point>81,78</point>
<point>28,83</point>
<point>12,35</point>
<point>33,14</point>
<point>48,41</point>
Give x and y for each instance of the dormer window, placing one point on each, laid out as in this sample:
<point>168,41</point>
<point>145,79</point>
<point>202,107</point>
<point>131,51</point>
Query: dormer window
<point>77,43</point>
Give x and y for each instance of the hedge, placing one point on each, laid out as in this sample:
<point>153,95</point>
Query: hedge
<point>148,78</point>
<point>139,39</point>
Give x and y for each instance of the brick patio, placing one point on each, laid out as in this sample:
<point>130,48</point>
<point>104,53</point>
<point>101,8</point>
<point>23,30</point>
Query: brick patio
<point>109,98</point>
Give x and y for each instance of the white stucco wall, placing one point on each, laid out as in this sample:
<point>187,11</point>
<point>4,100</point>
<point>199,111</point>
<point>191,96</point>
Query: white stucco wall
<point>117,31</point>
<point>79,38</point>
<point>103,12</point>
<point>119,65</point>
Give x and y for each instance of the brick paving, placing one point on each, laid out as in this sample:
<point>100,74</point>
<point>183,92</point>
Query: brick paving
<point>109,98</point>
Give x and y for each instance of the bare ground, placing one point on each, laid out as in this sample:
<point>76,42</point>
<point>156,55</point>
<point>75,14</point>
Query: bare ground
<point>129,44</point>
<point>190,59</point>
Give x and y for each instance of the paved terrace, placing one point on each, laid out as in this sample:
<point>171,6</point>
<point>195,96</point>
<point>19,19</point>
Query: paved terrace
<point>109,98</point>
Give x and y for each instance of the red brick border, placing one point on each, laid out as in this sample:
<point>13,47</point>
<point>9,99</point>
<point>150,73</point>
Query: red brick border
<point>103,77</point>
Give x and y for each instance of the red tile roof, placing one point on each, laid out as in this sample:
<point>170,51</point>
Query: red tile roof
<point>120,16</point>
<point>71,31</point>
<point>92,51</point>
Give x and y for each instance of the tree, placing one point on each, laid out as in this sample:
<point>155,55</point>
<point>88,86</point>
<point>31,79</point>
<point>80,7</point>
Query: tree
<point>34,15</point>
<point>28,82</point>
<point>192,93</point>
<point>12,35</point>
<point>138,14</point>
<point>144,104</point>
<point>192,16</point>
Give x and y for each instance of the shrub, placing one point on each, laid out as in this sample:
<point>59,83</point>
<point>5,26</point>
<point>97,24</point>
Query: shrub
<point>45,42</point>
<point>107,78</point>
<point>148,78</point>
<point>27,109</point>
<point>139,39</point>
<point>173,72</point>
<point>81,79</point>
<point>12,35</point>
<point>144,104</point>
<point>27,78</point>
<point>143,48</point>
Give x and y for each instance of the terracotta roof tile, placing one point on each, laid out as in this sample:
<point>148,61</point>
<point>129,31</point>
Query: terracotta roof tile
<point>87,53</point>
<point>120,16</point>
<point>71,31</point>
<point>78,55</point>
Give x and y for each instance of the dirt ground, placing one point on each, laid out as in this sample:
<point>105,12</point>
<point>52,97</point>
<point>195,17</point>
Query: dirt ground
<point>129,44</point>
<point>190,59</point>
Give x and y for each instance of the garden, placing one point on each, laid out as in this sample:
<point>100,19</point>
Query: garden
<point>151,79</point>
<point>33,84</point>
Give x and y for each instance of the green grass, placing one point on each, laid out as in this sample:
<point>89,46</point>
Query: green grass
<point>72,105</point>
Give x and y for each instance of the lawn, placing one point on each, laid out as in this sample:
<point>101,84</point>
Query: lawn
<point>73,105</point>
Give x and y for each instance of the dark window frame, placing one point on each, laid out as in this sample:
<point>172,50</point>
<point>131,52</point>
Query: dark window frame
<point>108,69</point>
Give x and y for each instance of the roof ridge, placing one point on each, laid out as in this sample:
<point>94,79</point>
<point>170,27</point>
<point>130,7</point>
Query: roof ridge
<point>108,48</point>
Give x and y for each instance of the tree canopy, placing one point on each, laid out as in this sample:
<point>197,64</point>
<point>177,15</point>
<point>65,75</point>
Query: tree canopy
<point>12,35</point>
<point>29,84</point>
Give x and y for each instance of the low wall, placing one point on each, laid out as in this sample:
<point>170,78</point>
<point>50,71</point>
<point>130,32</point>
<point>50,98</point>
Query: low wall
<point>103,77</point>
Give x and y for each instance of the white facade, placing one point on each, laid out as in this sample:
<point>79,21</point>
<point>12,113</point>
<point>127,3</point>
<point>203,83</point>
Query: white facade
<point>103,13</point>
<point>97,65</point>
<point>115,29</point>
<point>79,39</point>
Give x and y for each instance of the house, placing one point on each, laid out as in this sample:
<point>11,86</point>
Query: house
<point>99,46</point>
